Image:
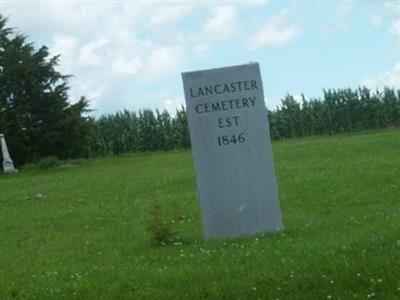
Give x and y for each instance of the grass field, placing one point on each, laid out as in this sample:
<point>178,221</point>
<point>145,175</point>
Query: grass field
<point>78,232</point>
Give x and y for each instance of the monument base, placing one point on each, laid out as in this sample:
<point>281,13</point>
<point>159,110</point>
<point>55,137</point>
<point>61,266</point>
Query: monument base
<point>8,167</point>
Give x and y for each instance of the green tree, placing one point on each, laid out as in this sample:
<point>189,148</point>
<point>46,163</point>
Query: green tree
<point>35,113</point>
<point>180,129</point>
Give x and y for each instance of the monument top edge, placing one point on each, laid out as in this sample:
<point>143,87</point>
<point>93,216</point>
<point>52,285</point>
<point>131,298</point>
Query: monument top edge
<point>220,68</point>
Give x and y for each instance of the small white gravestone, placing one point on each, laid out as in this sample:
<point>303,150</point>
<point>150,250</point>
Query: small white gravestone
<point>8,164</point>
<point>232,151</point>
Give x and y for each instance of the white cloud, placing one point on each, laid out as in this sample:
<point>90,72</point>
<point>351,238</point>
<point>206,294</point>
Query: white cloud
<point>202,49</point>
<point>64,45</point>
<point>300,98</point>
<point>172,104</point>
<point>273,35</point>
<point>376,20</point>
<point>164,100</point>
<point>165,60</point>
<point>342,14</point>
<point>274,32</point>
<point>171,13</point>
<point>222,25</point>
<point>125,67</point>
<point>396,27</point>
<point>94,54</point>
<point>254,3</point>
<point>95,92</point>
<point>119,51</point>
<point>392,7</point>
<point>390,78</point>
<point>392,13</point>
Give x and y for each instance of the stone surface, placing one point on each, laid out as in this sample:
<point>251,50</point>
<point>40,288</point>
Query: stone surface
<point>232,151</point>
<point>8,165</point>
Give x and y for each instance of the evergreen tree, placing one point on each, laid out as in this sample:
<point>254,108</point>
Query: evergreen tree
<point>35,114</point>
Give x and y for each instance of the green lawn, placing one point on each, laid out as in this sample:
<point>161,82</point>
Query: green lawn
<point>79,232</point>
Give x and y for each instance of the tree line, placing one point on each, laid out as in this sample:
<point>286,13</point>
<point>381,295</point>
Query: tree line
<point>146,130</point>
<point>339,111</point>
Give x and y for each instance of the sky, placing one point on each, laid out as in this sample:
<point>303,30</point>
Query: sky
<point>130,54</point>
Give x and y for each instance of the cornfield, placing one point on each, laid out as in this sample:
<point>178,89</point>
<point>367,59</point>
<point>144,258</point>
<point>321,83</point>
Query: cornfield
<point>339,111</point>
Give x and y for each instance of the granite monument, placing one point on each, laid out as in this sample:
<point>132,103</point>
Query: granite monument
<point>8,165</point>
<point>232,151</point>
